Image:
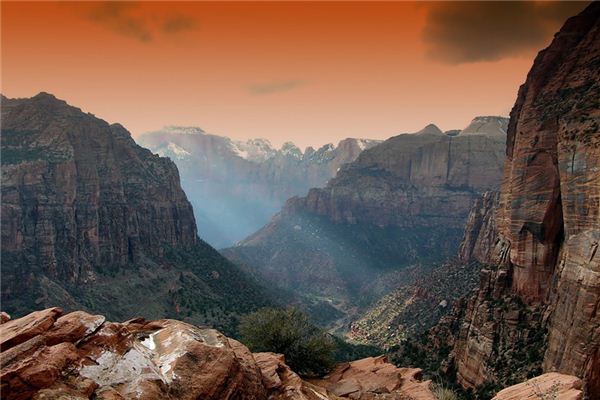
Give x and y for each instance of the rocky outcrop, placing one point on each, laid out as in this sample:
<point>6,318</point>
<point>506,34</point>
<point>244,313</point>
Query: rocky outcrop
<point>548,386</point>
<point>283,383</point>
<point>547,270</point>
<point>236,187</point>
<point>375,378</point>
<point>48,355</point>
<point>403,202</point>
<point>92,220</point>
<point>480,234</point>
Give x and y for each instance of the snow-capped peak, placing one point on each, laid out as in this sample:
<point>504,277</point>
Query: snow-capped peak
<point>366,143</point>
<point>179,152</point>
<point>257,150</point>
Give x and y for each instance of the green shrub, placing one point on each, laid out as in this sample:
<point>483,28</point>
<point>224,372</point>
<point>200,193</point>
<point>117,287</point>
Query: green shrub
<point>308,350</point>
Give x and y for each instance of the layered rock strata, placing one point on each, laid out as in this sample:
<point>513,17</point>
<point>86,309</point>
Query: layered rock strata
<point>79,194</point>
<point>547,223</point>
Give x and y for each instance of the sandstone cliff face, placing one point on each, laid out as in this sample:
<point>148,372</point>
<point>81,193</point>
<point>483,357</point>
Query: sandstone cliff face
<point>78,193</point>
<point>551,385</point>
<point>92,220</point>
<point>423,179</point>
<point>236,187</point>
<point>400,203</point>
<point>480,235</point>
<point>48,355</point>
<point>548,218</point>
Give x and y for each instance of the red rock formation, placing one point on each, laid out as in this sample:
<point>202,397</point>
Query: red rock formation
<point>548,218</point>
<point>284,384</point>
<point>551,385</point>
<point>80,356</point>
<point>374,377</point>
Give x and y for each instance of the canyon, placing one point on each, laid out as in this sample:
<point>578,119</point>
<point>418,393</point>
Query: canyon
<point>234,186</point>
<point>469,256</point>
<point>401,203</point>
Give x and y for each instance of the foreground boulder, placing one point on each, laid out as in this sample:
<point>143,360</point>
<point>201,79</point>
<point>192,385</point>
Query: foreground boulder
<point>375,378</point>
<point>548,386</point>
<point>48,355</point>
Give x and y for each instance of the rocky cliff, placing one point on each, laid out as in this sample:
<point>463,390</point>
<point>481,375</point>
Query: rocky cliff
<point>543,289</point>
<point>424,179</point>
<point>236,186</point>
<point>402,202</point>
<point>480,234</point>
<point>90,219</point>
<point>48,355</point>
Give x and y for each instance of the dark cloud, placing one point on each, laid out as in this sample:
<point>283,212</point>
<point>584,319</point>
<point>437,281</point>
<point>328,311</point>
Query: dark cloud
<point>463,32</point>
<point>178,23</point>
<point>275,87</point>
<point>117,16</point>
<point>126,19</point>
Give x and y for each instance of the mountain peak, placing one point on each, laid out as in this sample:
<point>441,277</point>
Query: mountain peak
<point>488,125</point>
<point>289,148</point>
<point>44,95</point>
<point>49,99</point>
<point>430,129</point>
<point>257,150</point>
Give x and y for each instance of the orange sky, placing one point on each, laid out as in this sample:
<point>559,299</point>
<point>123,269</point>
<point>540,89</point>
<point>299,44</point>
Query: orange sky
<point>308,72</point>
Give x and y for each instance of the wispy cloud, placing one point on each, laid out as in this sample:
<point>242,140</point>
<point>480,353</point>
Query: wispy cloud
<point>275,87</point>
<point>463,32</point>
<point>129,19</point>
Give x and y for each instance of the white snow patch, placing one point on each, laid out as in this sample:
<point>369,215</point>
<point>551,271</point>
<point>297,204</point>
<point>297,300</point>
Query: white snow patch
<point>256,150</point>
<point>362,144</point>
<point>179,152</point>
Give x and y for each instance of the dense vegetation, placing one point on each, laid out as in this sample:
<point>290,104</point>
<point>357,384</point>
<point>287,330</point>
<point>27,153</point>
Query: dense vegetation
<point>308,349</point>
<point>196,285</point>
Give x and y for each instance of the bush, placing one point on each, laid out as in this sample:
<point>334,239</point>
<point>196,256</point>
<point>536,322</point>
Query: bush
<point>443,393</point>
<point>308,350</point>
